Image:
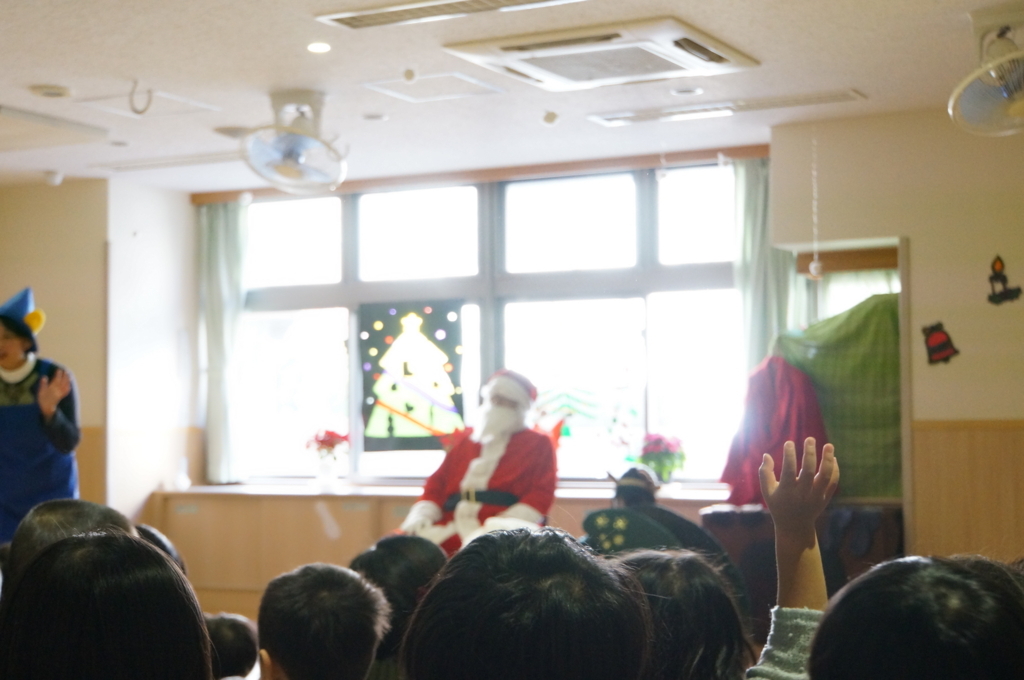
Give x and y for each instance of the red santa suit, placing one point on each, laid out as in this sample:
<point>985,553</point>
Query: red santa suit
<point>521,466</point>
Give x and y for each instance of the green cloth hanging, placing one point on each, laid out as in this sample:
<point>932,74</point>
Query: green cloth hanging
<point>853,359</point>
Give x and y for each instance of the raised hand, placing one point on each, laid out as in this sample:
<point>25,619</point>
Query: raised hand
<point>797,498</point>
<point>795,501</point>
<point>52,391</point>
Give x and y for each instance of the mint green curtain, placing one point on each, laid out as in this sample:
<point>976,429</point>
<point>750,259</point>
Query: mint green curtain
<point>840,291</point>
<point>763,274</point>
<point>222,298</point>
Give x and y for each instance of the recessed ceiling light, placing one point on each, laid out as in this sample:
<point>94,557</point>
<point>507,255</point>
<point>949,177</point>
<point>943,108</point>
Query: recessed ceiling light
<point>687,91</point>
<point>318,47</point>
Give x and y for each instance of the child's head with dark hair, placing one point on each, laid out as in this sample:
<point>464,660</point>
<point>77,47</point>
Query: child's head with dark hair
<point>928,618</point>
<point>698,630</point>
<point>320,622</point>
<point>156,538</point>
<point>516,605</point>
<point>102,607</point>
<point>401,566</point>
<point>54,520</point>
<point>234,645</point>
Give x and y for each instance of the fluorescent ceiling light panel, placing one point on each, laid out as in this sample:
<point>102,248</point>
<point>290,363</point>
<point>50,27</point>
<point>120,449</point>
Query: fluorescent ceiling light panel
<point>721,109</point>
<point>433,88</point>
<point>697,115</point>
<point>27,130</point>
<point>428,10</point>
<point>163,104</point>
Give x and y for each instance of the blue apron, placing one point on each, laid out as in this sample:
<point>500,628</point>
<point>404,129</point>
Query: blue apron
<point>32,470</point>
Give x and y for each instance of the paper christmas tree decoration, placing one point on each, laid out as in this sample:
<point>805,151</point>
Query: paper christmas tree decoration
<point>411,391</point>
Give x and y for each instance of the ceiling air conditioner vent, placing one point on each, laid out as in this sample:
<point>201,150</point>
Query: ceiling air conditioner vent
<point>699,51</point>
<point>428,10</point>
<point>595,56</point>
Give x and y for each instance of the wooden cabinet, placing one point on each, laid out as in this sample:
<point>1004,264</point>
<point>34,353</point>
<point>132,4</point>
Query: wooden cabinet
<point>235,539</point>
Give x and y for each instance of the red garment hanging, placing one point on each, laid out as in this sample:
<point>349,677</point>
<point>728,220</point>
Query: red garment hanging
<point>781,406</point>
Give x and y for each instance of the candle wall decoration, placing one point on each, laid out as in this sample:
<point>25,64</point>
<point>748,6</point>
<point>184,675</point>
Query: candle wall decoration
<point>939,344</point>
<point>998,278</point>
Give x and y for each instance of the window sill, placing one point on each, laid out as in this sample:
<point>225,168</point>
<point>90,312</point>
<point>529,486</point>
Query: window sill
<point>677,491</point>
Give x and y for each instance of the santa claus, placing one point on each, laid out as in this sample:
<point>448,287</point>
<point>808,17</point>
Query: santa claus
<point>497,476</point>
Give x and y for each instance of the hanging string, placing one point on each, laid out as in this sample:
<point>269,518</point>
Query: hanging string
<point>815,266</point>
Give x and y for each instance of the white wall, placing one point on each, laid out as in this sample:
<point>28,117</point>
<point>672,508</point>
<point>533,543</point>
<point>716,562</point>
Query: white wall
<point>152,332</point>
<point>959,199</point>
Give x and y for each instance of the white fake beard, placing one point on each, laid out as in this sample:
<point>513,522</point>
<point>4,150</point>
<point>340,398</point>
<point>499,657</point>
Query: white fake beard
<point>497,421</point>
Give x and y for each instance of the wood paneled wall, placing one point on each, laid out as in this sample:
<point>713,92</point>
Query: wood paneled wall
<point>968,488</point>
<point>235,541</point>
<point>92,464</point>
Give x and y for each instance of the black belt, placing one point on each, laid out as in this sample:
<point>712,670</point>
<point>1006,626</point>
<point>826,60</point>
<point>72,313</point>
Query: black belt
<point>488,497</point>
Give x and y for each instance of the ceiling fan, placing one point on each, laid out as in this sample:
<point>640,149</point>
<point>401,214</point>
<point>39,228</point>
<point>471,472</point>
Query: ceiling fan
<point>990,101</point>
<point>290,153</point>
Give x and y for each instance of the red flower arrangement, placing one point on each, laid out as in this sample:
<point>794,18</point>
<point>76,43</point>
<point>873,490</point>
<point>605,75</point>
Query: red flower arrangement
<point>326,442</point>
<point>662,454</point>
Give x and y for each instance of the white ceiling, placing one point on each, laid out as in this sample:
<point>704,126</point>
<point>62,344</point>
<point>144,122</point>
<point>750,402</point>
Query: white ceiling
<point>902,54</point>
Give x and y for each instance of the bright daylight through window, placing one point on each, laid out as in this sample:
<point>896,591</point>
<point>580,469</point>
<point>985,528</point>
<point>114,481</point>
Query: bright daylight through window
<point>530,275</point>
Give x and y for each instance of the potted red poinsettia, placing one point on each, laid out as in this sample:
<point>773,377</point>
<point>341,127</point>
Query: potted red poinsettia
<point>328,445</point>
<point>662,454</point>
<point>326,442</point>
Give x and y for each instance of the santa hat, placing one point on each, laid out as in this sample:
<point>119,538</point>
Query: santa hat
<point>513,386</point>
<point>21,316</point>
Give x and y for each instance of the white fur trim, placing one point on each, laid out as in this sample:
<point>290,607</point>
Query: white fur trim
<point>521,511</point>
<point>438,533</point>
<point>507,387</point>
<point>467,518</point>
<point>421,515</point>
<point>478,474</point>
<point>17,375</point>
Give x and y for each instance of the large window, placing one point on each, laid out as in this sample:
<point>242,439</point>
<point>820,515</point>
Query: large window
<point>291,243</point>
<point>424,234</point>
<point>292,380</point>
<point>613,293</point>
<point>570,224</point>
<point>697,215</point>
<point>588,359</point>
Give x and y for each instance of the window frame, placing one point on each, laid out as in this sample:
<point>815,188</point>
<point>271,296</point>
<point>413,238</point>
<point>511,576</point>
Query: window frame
<point>492,287</point>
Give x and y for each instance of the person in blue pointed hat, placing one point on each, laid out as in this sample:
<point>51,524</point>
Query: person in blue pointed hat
<point>38,418</point>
